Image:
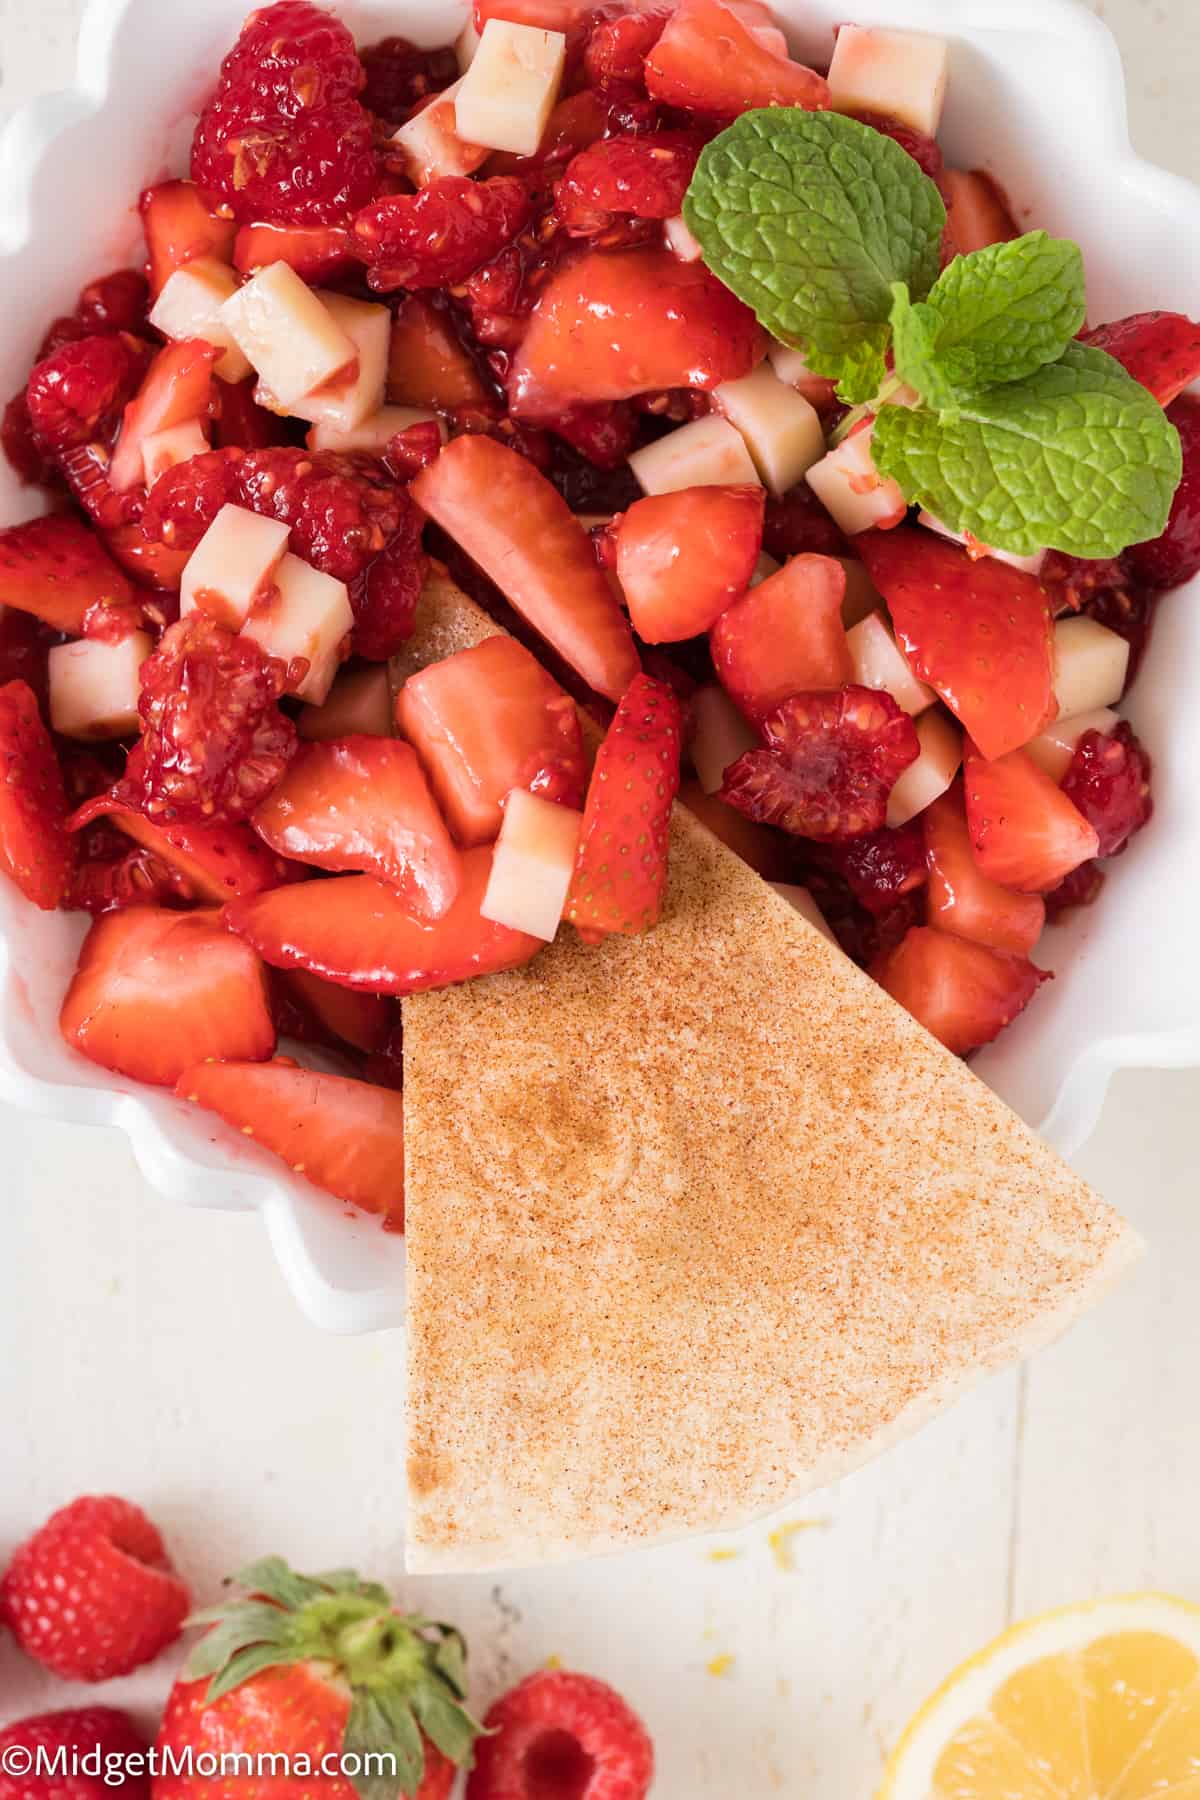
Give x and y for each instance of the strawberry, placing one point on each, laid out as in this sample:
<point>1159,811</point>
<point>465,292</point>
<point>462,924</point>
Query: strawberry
<point>785,637</point>
<point>177,388</point>
<point>519,530</point>
<point>485,721</point>
<point>977,212</point>
<point>79,1731</point>
<point>56,569</point>
<point>1159,349</point>
<point>344,1136</point>
<point>682,558</point>
<point>1109,782</point>
<point>1173,557</point>
<point>156,991</point>
<point>217,861</point>
<point>561,1736</point>
<point>620,874</point>
<point>178,228</point>
<point>318,253</point>
<point>363,803</point>
<point>358,933</point>
<point>92,1594</point>
<point>317,1012</point>
<point>319,1667</point>
<point>709,60</point>
<point>961,898</point>
<point>964,993</point>
<point>979,632</point>
<point>427,365</point>
<point>35,848</point>
<point>767,851</point>
<point>1025,832</point>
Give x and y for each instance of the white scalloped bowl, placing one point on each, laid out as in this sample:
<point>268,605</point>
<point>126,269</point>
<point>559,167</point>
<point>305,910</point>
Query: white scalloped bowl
<point>1036,94</point>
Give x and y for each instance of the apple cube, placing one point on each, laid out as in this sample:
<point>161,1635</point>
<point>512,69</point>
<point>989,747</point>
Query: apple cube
<point>706,453</point>
<point>935,768</point>
<point>233,564</point>
<point>304,614</point>
<point>1053,749</point>
<point>781,429</point>
<point>849,486</point>
<point>352,397</point>
<point>359,702</point>
<point>94,686</point>
<point>802,902</point>
<point>1030,565</point>
<point>509,91</point>
<point>879,662</point>
<point>862,596</point>
<point>430,146</point>
<point>162,450</point>
<point>288,334</point>
<point>720,734</point>
<point>902,73</point>
<point>466,44</point>
<point>1091,664</point>
<point>190,307</point>
<point>681,241</point>
<point>532,865</point>
<point>375,433</point>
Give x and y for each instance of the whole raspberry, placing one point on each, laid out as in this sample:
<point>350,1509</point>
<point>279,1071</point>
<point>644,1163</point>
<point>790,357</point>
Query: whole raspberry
<point>399,74</point>
<point>341,509</point>
<point>183,503</point>
<point>385,596</point>
<point>617,48</point>
<point>1174,557</point>
<point>77,396</point>
<point>640,177</point>
<point>558,1734</point>
<point>116,302</point>
<point>1109,781</point>
<point>1081,888</point>
<point>293,56</point>
<point>923,149</point>
<point>92,1594</point>
<point>79,1731</point>
<point>440,236</point>
<point>20,445</point>
<point>884,866</point>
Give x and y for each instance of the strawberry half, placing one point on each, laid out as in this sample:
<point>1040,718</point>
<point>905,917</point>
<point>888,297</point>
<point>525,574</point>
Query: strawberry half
<point>359,933</point>
<point>961,898</point>
<point>979,632</point>
<point>156,991</point>
<point>178,227</point>
<point>1159,349</point>
<point>709,60</point>
<point>785,637</point>
<point>35,846</point>
<point>682,558</point>
<point>218,860</point>
<point>621,870</point>
<point>344,1136</point>
<point>964,993</point>
<point>316,1012</point>
<point>1025,833</point>
<point>56,569</point>
<point>177,389</point>
<point>363,803</point>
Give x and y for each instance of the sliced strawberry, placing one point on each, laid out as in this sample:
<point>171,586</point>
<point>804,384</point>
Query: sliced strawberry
<point>1025,832</point>
<point>344,1136</point>
<point>35,846</point>
<point>621,871</point>
<point>977,631</point>
<point>517,527</point>
<point>1109,782</point>
<point>151,565</point>
<point>239,420</point>
<point>318,253</point>
<point>962,992</point>
<point>977,211</point>
<point>178,228</point>
<point>427,364</point>
<point>785,637</point>
<point>961,898</point>
<point>610,326</point>
<point>682,558</point>
<point>355,931</point>
<point>709,60</point>
<point>545,15</point>
<point>218,860</point>
<point>317,1011</point>
<point>56,569</point>
<point>363,803</point>
<point>156,991</point>
<point>486,721</point>
<point>177,389</point>
<point>1159,349</point>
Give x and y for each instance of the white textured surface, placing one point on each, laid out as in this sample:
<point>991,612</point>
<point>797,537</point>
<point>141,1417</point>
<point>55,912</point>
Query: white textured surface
<point>153,1349</point>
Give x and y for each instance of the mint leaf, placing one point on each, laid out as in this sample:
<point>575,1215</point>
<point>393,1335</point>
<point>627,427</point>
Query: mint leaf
<point>916,328</point>
<point>1077,457</point>
<point>1008,310</point>
<point>810,217</point>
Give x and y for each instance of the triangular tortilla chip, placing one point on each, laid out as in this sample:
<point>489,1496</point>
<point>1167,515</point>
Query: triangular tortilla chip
<point>699,1221</point>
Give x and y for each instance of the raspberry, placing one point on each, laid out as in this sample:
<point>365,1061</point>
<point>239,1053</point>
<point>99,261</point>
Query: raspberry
<point>385,596</point>
<point>294,56</point>
<point>1081,888</point>
<point>884,866</point>
<point>20,445</point>
<point>77,396</point>
<point>66,329</point>
<point>25,645</point>
<point>1170,560</point>
<point>214,742</point>
<point>501,295</point>
<point>240,422</point>
<point>413,449</point>
<point>116,302</point>
<point>384,1068</point>
<point>399,74</point>
<point>923,149</point>
<point>113,873</point>
<point>340,509</point>
<point>642,177</point>
<point>92,1594</point>
<point>604,433</point>
<point>83,1730</point>
<point>184,502</point>
<point>1109,781</point>
<point>832,759</point>
<point>1130,613</point>
<point>617,48</point>
<point>558,1734</point>
<point>797,524</point>
<point>1071,580</point>
<point>440,236</point>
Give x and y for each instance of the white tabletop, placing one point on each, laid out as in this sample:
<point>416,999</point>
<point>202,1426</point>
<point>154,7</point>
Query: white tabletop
<point>154,1352</point>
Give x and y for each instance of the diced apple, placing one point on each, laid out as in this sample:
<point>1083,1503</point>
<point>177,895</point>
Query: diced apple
<point>902,73</point>
<point>466,44</point>
<point>764,568</point>
<point>862,596</point>
<point>848,485</point>
<point>376,432</point>
<point>879,662</point>
<point>1029,565</point>
<point>288,335</point>
<point>681,240</point>
<point>304,614</point>
<point>719,736</point>
<point>791,366</point>
<point>802,902</point>
<point>782,431</point>
<point>935,768</point>
<point>1091,664</point>
<point>234,563</point>
<point>532,865</point>
<point>94,686</point>
<point>359,704</point>
<point>706,453</point>
<point>349,399</point>
<point>162,450</point>
<point>190,307</point>
<point>430,146</point>
<point>509,91</point>
<point>1053,749</point>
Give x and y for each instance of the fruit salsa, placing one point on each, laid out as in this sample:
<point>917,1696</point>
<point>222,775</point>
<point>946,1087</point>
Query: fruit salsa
<point>789,462</point>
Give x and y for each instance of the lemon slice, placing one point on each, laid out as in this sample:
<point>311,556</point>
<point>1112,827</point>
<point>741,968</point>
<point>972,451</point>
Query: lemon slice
<point>1095,1702</point>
